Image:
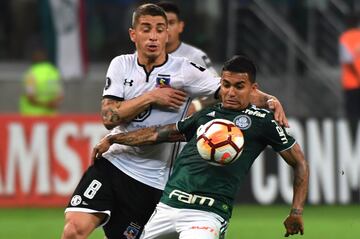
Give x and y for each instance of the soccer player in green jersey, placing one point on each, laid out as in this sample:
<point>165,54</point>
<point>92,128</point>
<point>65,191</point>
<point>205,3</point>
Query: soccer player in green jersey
<point>198,198</point>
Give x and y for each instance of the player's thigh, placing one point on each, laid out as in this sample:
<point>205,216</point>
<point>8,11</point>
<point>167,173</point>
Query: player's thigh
<point>84,222</point>
<point>195,224</point>
<point>161,224</point>
<point>93,195</point>
<point>135,202</point>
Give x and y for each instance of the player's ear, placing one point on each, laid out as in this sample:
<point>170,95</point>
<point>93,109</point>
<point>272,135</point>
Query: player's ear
<point>181,26</point>
<point>132,34</point>
<point>167,35</point>
<point>254,86</point>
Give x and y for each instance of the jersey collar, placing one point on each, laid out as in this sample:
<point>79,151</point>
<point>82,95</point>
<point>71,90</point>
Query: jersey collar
<point>155,66</point>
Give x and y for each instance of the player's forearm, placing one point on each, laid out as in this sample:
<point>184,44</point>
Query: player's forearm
<point>260,98</point>
<point>135,138</point>
<point>295,158</point>
<point>300,185</point>
<point>115,112</point>
<point>153,135</point>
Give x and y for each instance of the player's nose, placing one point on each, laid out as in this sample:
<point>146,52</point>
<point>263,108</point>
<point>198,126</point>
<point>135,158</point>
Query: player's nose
<point>231,91</point>
<point>153,35</point>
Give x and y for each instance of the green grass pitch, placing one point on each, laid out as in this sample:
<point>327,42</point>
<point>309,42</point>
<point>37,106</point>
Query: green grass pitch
<point>249,221</point>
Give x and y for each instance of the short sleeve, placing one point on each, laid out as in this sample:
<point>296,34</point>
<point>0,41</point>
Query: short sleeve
<point>114,85</point>
<point>277,136</point>
<point>199,81</point>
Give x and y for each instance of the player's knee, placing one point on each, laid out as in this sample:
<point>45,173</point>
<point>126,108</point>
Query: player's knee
<point>69,231</point>
<point>76,229</point>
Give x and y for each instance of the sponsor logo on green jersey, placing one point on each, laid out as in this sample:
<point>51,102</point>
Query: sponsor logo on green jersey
<point>191,198</point>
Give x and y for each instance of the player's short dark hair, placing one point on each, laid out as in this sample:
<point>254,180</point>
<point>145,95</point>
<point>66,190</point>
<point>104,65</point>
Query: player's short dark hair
<point>241,64</point>
<point>147,9</point>
<point>169,7</point>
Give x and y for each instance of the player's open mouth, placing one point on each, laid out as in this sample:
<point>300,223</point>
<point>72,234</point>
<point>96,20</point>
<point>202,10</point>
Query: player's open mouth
<point>152,47</point>
<point>231,102</point>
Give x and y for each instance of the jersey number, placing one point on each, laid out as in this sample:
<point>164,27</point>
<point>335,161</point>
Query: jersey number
<point>94,186</point>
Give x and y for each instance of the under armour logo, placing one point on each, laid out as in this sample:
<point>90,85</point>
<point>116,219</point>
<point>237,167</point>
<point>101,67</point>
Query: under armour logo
<point>128,82</point>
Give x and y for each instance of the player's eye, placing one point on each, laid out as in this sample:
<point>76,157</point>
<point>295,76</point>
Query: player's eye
<point>226,85</point>
<point>239,86</point>
<point>160,29</point>
<point>146,29</point>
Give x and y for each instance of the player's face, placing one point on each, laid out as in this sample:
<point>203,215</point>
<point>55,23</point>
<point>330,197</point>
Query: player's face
<point>175,28</point>
<point>150,36</point>
<point>235,90</point>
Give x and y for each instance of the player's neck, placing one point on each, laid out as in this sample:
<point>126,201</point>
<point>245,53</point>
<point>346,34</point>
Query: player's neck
<point>170,48</point>
<point>150,62</point>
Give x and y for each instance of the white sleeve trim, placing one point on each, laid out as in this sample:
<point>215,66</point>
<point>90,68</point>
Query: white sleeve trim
<point>87,210</point>
<point>288,147</point>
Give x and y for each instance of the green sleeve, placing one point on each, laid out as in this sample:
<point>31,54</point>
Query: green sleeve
<point>188,126</point>
<point>277,136</point>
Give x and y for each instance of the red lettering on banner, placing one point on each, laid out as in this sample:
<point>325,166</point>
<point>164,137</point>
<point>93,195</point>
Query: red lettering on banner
<point>43,158</point>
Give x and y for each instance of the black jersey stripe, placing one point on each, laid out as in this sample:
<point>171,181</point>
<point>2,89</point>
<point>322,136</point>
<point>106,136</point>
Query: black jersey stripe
<point>113,97</point>
<point>176,146</point>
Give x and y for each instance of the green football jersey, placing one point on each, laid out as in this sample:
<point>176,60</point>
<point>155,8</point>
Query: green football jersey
<point>196,184</point>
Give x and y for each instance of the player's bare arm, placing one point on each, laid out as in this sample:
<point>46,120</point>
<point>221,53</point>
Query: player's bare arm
<point>261,99</point>
<point>116,112</point>
<point>152,135</point>
<point>295,158</point>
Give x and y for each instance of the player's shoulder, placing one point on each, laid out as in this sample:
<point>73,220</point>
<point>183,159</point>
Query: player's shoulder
<point>259,113</point>
<point>181,62</point>
<point>125,59</point>
<point>192,49</point>
<point>177,59</point>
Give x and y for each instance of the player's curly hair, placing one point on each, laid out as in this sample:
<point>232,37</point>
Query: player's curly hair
<point>147,9</point>
<point>241,64</point>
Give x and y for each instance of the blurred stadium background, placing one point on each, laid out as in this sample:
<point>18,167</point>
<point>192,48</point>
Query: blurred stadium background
<point>293,42</point>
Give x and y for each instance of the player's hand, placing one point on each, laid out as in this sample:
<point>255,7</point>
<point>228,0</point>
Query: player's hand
<point>167,97</point>
<point>100,148</point>
<point>293,225</point>
<point>279,113</point>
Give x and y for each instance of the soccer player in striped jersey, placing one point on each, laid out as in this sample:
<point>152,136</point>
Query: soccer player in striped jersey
<point>147,88</point>
<point>198,198</point>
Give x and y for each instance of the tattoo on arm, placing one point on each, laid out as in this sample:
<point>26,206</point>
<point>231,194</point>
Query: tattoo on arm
<point>296,211</point>
<point>153,135</point>
<point>109,112</point>
<point>168,133</point>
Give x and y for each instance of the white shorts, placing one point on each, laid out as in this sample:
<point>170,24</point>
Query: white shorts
<point>169,222</point>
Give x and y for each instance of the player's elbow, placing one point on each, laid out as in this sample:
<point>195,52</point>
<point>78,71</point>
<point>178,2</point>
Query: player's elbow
<point>109,126</point>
